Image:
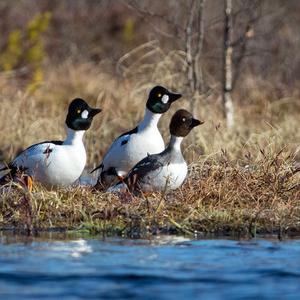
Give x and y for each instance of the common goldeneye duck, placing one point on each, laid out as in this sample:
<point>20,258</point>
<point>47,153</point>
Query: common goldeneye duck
<point>57,162</point>
<point>165,170</point>
<point>134,145</point>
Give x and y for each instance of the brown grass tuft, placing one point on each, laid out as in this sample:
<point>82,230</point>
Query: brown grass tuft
<point>219,199</point>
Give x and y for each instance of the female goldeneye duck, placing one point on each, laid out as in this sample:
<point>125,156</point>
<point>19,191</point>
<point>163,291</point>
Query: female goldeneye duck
<point>134,145</point>
<point>166,170</point>
<point>57,162</point>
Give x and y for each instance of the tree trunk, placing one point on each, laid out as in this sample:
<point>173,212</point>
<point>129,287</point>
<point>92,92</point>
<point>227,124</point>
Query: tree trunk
<point>189,49</point>
<point>228,109</point>
<point>197,67</point>
<point>194,43</point>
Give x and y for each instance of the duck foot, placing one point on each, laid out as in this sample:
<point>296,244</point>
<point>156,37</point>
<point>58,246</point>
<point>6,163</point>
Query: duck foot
<point>26,182</point>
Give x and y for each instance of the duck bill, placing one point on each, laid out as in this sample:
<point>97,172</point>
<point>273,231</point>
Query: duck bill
<point>174,96</point>
<point>196,122</point>
<point>94,111</point>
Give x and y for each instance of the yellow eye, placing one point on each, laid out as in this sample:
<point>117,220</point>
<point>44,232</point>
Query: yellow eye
<point>159,95</point>
<point>78,111</point>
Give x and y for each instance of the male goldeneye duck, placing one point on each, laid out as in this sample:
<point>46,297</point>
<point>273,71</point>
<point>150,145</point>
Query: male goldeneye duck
<point>166,170</point>
<point>134,145</point>
<point>57,162</point>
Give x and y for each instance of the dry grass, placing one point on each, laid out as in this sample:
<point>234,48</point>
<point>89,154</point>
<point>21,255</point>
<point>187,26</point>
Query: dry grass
<point>220,199</point>
<point>244,181</point>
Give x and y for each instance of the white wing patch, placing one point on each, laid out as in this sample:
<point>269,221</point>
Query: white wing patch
<point>84,114</point>
<point>165,99</point>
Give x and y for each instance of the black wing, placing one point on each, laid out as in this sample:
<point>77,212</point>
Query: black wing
<point>30,148</point>
<point>45,142</point>
<point>34,145</point>
<point>98,167</point>
<point>132,131</point>
<point>10,165</point>
<point>129,133</point>
<point>141,169</point>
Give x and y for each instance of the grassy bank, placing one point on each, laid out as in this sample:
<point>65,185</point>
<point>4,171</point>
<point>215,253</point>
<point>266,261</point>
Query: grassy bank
<point>218,199</point>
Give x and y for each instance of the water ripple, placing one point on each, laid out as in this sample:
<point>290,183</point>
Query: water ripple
<point>164,268</point>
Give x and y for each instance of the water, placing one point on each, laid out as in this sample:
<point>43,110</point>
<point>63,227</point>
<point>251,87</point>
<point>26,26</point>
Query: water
<point>161,268</point>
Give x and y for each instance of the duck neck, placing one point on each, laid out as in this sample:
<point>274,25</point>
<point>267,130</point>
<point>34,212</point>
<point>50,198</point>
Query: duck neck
<point>150,120</point>
<point>175,143</point>
<point>74,136</point>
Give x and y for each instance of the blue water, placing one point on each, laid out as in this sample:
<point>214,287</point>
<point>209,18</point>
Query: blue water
<point>161,268</point>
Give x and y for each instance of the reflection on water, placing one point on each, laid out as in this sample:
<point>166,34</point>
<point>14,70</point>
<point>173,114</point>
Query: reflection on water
<point>166,267</point>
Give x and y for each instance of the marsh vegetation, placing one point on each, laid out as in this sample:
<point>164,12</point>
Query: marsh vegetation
<point>243,180</point>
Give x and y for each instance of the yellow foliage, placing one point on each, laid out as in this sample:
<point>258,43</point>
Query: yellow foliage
<point>38,25</point>
<point>26,48</point>
<point>36,53</point>
<point>37,78</point>
<point>13,52</point>
<point>128,30</point>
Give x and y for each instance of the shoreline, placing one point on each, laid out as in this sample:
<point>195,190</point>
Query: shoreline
<point>217,199</point>
<point>66,233</point>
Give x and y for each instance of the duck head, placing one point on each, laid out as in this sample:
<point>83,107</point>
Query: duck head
<point>80,115</point>
<point>160,99</point>
<point>182,123</point>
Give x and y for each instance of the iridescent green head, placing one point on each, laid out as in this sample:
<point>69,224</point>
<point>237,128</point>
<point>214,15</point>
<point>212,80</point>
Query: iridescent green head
<point>160,99</point>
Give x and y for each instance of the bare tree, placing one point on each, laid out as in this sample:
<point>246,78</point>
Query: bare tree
<point>238,20</point>
<point>189,49</point>
<point>198,71</point>
<point>232,63</point>
<point>228,109</point>
<point>191,35</point>
<point>193,49</point>
<point>241,42</point>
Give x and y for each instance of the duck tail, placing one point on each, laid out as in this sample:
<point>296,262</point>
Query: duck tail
<point>4,178</point>
<point>99,167</point>
<point>4,168</point>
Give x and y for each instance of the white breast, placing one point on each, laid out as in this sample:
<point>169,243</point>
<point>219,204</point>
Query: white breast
<point>124,157</point>
<point>169,177</point>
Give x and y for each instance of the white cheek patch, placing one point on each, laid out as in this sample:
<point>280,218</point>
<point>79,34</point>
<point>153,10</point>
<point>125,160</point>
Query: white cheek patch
<point>165,99</point>
<point>84,114</point>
